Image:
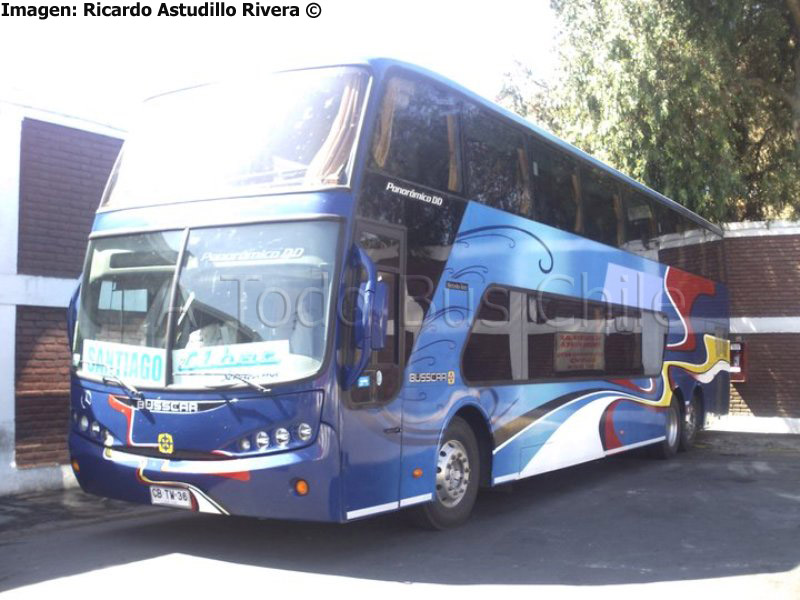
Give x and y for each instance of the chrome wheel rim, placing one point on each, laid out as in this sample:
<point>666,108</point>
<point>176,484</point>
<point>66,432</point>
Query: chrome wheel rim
<point>452,473</point>
<point>672,427</point>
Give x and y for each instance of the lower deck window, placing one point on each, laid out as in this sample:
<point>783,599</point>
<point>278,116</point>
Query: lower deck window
<point>546,336</point>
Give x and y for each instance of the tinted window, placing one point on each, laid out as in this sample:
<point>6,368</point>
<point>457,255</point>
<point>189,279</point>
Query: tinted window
<point>569,337</point>
<point>492,345</point>
<point>555,186</point>
<point>544,336</point>
<point>416,136</point>
<point>600,211</point>
<point>641,227</point>
<point>496,163</point>
<point>382,249</point>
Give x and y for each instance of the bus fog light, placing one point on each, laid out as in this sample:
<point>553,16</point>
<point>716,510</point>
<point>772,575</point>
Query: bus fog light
<point>95,429</point>
<point>262,440</point>
<point>282,436</point>
<point>84,424</point>
<point>244,444</point>
<point>304,432</point>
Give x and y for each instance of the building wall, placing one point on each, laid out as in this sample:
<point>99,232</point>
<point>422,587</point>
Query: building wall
<point>763,267</point>
<point>52,172</point>
<point>63,171</point>
<point>42,386</point>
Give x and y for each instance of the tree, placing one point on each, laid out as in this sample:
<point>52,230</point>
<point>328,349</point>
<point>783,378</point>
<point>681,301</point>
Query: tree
<point>699,99</point>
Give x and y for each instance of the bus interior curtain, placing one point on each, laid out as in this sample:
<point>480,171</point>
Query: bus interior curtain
<point>452,140</point>
<point>525,183</point>
<point>398,93</point>
<point>332,156</point>
<point>578,199</point>
<point>380,149</point>
<point>618,212</point>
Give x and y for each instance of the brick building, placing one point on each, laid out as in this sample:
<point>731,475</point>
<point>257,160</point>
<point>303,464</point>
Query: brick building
<point>763,268</point>
<point>52,172</point>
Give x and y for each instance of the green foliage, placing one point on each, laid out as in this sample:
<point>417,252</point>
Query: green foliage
<point>699,99</point>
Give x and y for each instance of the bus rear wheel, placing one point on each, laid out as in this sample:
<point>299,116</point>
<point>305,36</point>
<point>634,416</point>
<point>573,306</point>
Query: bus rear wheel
<point>673,427</point>
<point>457,479</point>
<point>692,423</point>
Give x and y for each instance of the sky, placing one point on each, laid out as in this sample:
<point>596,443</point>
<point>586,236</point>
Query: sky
<point>101,68</point>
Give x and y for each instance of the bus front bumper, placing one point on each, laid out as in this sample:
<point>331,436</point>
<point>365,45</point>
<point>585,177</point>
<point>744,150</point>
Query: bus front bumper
<point>258,486</point>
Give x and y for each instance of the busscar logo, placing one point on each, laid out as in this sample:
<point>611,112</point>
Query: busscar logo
<point>448,376</point>
<point>165,443</point>
<point>167,406</point>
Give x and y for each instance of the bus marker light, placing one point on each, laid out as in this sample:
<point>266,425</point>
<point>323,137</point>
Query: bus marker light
<point>301,487</point>
<point>304,432</point>
<point>416,473</point>
<point>75,466</point>
<point>282,436</point>
<point>262,440</point>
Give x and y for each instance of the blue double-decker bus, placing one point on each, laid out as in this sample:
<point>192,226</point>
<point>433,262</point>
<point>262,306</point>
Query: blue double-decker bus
<point>340,291</point>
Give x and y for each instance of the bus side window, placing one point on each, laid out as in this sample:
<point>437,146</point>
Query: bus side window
<point>416,136</point>
<point>602,206</point>
<point>554,192</point>
<point>487,353</point>
<point>641,227</point>
<point>497,165</point>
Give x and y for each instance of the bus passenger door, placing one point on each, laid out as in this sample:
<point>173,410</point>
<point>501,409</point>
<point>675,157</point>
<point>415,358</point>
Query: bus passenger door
<point>371,437</point>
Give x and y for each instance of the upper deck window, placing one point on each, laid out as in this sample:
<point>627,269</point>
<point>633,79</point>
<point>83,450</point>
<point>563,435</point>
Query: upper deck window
<point>290,131</point>
<point>497,165</point>
<point>416,136</point>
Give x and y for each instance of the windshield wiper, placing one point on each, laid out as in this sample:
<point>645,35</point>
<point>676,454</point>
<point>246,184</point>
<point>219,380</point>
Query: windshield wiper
<point>228,384</point>
<point>131,391</point>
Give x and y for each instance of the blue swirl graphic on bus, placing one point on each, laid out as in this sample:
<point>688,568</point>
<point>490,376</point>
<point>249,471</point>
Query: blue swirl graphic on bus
<point>465,237</point>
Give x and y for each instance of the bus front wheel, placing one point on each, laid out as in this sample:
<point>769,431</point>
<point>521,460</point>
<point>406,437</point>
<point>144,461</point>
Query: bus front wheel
<point>457,479</point>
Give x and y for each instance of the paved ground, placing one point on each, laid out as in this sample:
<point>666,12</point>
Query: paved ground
<point>725,516</point>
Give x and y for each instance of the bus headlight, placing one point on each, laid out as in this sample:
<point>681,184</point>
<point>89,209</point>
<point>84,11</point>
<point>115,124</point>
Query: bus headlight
<point>282,436</point>
<point>84,423</point>
<point>244,444</point>
<point>95,429</point>
<point>262,440</point>
<point>304,432</point>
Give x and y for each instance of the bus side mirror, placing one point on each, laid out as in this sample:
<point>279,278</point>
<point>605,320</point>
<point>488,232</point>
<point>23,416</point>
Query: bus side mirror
<point>380,316</point>
<point>72,316</point>
<point>365,316</point>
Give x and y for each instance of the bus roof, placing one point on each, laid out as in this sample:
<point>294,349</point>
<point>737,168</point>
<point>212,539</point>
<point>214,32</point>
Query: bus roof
<point>382,64</point>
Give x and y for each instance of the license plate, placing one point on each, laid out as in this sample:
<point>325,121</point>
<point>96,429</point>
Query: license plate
<point>170,496</point>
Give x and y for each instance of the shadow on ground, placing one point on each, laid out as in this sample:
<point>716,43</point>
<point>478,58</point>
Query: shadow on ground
<point>730,507</point>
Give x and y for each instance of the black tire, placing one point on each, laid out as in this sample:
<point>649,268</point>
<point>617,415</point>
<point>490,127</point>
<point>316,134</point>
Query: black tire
<point>457,459</point>
<point>669,446</point>
<point>691,423</point>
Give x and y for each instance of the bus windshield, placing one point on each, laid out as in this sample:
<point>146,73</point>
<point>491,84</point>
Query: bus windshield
<point>293,130</point>
<point>250,301</point>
